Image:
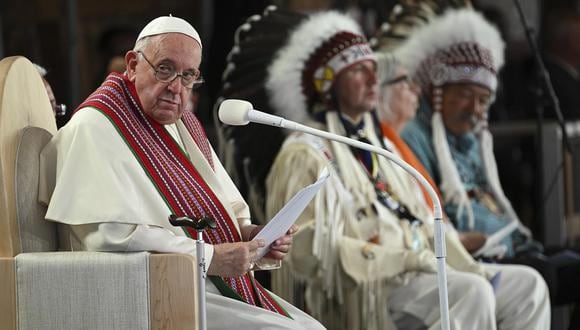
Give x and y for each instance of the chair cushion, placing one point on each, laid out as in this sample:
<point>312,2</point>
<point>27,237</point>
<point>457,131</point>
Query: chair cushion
<point>82,290</point>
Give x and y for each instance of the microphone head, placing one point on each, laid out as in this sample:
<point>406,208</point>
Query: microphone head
<point>234,112</point>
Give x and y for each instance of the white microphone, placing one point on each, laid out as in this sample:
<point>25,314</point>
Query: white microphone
<point>239,112</point>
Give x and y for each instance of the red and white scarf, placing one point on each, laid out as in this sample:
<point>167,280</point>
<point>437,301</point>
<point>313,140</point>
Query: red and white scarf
<point>175,177</point>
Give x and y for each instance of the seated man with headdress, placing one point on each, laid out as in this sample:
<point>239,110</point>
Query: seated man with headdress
<point>364,253</point>
<point>132,155</point>
<point>455,59</point>
<point>398,104</point>
<point>457,74</point>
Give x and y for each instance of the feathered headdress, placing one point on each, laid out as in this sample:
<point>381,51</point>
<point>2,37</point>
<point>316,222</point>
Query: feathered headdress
<point>459,46</point>
<point>285,63</point>
<point>405,18</point>
<point>304,70</point>
<point>256,43</point>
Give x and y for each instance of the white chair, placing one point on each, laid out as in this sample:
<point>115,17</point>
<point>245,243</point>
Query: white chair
<point>43,288</point>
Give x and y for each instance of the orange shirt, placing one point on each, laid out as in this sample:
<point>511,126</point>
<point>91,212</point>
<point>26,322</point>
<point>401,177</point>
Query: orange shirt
<point>408,156</point>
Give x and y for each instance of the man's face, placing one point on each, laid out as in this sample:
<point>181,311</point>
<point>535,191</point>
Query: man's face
<point>463,106</point>
<point>356,89</point>
<point>163,101</point>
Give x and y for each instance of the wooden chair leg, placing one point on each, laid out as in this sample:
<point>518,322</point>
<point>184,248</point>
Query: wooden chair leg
<point>8,296</point>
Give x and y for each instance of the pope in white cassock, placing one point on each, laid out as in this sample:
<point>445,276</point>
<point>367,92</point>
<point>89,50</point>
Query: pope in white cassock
<point>131,156</point>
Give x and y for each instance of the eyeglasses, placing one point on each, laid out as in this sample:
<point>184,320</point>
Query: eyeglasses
<point>167,74</point>
<point>396,80</point>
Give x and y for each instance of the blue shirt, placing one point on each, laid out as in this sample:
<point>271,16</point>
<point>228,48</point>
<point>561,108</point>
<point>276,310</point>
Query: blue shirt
<point>465,151</point>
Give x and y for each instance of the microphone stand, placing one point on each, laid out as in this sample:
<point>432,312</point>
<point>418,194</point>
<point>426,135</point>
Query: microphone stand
<point>546,83</point>
<point>439,238</point>
<point>272,120</point>
<point>199,225</point>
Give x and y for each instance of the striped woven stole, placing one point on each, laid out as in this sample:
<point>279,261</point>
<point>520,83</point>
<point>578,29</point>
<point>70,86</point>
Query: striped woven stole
<point>175,177</point>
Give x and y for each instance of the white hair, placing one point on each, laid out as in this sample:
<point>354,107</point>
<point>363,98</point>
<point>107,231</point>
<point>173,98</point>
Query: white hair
<point>142,43</point>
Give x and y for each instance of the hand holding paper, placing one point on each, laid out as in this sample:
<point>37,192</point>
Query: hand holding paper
<point>283,220</point>
<point>281,246</point>
<point>494,240</point>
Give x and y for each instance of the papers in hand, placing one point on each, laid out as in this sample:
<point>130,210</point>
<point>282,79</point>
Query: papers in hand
<point>494,240</point>
<point>287,215</point>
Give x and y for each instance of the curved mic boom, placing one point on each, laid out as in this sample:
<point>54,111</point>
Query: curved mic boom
<point>240,112</point>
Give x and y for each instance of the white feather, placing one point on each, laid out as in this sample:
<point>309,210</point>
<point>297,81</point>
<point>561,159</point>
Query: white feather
<point>284,83</point>
<point>451,185</point>
<point>455,26</point>
<point>490,167</point>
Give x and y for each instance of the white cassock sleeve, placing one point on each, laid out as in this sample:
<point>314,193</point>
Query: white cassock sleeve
<point>110,236</point>
<point>98,189</point>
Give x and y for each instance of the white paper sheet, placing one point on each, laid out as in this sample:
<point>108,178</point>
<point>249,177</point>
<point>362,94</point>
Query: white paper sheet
<point>288,214</point>
<point>495,239</point>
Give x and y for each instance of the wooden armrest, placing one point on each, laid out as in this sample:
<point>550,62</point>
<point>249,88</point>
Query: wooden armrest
<point>172,291</point>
